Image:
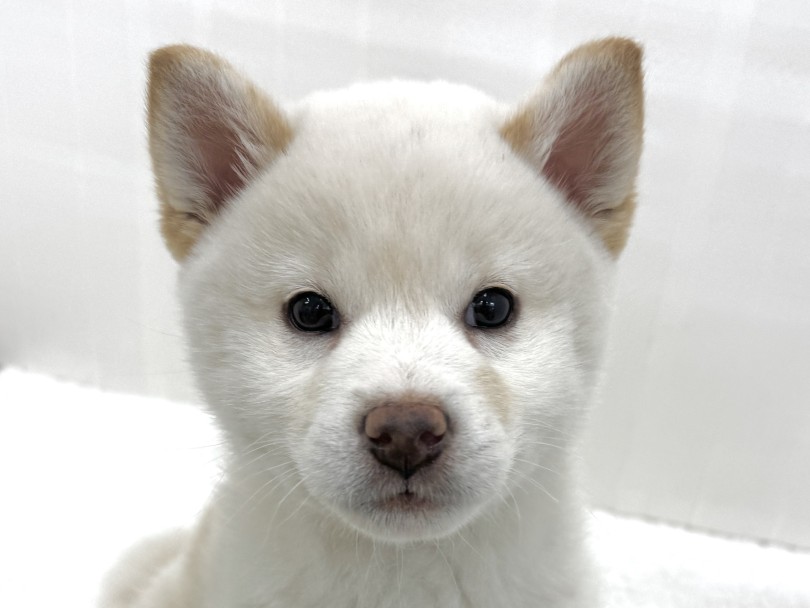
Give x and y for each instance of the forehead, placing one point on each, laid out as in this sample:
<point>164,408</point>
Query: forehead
<point>401,186</point>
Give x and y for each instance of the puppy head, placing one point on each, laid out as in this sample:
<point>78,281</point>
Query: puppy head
<point>394,293</point>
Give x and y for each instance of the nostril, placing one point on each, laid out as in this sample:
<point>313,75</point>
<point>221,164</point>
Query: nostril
<point>381,441</point>
<point>430,440</point>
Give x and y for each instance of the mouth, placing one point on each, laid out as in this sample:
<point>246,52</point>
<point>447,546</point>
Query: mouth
<point>406,516</point>
<point>409,511</point>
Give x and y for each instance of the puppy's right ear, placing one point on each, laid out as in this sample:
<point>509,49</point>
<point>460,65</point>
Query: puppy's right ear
<point>210,132</point>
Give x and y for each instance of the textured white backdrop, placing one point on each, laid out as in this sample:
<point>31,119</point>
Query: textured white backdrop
<point>706,408</point>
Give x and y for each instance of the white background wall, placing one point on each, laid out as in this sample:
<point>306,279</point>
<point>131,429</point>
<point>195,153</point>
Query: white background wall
<point>706,412</point>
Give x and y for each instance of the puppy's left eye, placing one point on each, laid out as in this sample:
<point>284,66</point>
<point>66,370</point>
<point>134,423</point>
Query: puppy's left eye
<point>310,311</point>
<point>489,308</point>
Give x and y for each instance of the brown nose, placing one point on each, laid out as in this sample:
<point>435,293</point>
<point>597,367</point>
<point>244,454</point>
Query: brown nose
<point>406,437</point>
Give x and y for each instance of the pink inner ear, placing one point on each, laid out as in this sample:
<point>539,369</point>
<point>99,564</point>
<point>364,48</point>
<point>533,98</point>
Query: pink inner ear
<point>221,159</point>
<point>577,163</point>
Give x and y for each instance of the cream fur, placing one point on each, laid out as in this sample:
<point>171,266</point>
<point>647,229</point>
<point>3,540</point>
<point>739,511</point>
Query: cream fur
<point>399,201</point>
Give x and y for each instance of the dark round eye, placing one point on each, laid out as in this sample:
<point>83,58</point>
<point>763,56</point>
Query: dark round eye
<point>489,308</point>
<point>310,311</point>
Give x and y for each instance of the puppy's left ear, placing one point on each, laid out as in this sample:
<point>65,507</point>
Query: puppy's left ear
<point>583,132</point>
<point>211,131</point>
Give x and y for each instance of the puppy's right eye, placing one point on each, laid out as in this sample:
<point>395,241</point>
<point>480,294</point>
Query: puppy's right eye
<point>310,311</point>
<point>489,308</point>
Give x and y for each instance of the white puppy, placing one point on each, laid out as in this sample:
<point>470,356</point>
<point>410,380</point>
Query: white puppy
<point>394,296</point>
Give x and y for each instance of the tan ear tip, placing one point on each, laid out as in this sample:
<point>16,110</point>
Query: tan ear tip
<point>175,57</point>
<point>626,51</point>
<point>625,45</point>
<point>630,52</point>
<point>167,55</point>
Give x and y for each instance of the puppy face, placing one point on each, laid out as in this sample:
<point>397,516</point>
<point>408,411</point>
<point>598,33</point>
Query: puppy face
<point>389,304</point>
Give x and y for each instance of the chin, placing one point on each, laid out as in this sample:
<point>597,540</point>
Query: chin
<point>408,517</point>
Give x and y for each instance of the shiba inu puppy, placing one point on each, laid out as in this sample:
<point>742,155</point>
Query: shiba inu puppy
<point>394,296</point>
